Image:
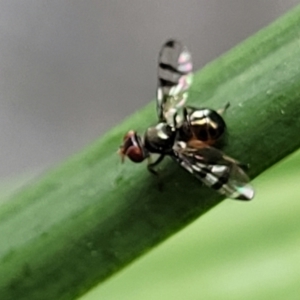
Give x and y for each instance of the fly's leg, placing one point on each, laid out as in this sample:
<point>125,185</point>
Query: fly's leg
<point>175,122</point>
<point>185,115</point>
<point>151,164</point>
<point>222,110</point>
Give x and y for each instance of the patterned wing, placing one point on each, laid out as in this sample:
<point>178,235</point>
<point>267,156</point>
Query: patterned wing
<point>174,78</point>
<point>215,170</point>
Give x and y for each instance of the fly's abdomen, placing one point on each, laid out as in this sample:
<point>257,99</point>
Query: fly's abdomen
<point>206,125</point>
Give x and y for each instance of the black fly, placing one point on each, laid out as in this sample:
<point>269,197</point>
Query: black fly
<point>187,134</point>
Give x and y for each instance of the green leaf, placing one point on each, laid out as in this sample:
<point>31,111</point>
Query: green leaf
<point>91,216</point>
<point>231,253</point>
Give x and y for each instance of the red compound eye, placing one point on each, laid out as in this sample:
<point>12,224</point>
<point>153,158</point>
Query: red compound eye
<point>132,147</point>
<point>135,154</point>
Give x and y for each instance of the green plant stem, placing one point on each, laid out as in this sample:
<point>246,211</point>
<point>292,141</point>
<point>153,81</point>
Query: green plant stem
<point>91,216</point>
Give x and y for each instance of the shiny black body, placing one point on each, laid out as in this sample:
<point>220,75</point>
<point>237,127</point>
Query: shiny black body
<point>160,139</point>
<point>203,124</point>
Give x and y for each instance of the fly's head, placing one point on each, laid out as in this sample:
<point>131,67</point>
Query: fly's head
<point>133,148</point>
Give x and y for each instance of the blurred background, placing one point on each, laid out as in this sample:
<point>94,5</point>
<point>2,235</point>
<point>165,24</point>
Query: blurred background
<point>70,70</point>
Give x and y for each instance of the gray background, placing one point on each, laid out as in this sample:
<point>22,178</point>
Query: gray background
<point>69,70</point>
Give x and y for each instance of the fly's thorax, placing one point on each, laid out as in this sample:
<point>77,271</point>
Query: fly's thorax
<point>159,138</point>
<point>205,124</point>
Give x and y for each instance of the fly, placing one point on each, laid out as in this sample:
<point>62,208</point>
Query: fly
<point>185,133</point>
